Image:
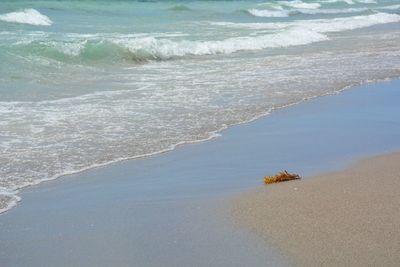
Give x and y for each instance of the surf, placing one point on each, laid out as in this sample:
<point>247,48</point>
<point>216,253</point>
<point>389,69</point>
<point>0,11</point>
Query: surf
<point>27,16</point>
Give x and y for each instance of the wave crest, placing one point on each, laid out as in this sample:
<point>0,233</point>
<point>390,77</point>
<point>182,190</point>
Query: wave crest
<point>27,16</point>
<point>141,49</point>
<point>288,12</point>
<point>320,25</point>
<point>300,4</point>
<point>150,48</point>
<point>269,13</point>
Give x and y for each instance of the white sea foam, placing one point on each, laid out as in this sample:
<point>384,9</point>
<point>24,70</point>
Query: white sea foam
<point>269,13</point>
<point>288,12</point>
<point>322,25</point>
<point>351,23</point>
<point>278,9</point>
<point>392,7</point>
<point>283,34</point>
<point>332,10</point>
<point>8,199</point>
<point>27,16</point>
<point>155,48</point>
<point>67,116</point>
<point>367,1</point>
<point>300,4</point>
<point>349,2</point>
<point>170,104</point>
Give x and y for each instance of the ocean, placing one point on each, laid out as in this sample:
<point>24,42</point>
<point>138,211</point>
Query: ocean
<point>88,83</point>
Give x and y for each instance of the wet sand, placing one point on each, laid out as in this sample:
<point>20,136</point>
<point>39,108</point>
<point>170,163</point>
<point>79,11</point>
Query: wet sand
<point>165,210</point>
<point>346,218</point>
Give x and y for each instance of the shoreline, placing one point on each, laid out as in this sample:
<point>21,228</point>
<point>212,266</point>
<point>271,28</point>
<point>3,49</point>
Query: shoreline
<point>14,192</point>
<point>164,210</point>
<point>345,218</point>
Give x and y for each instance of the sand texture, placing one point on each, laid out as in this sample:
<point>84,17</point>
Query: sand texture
<point>347,218</point>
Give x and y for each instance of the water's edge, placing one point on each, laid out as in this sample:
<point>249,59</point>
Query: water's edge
<point>211,135</point>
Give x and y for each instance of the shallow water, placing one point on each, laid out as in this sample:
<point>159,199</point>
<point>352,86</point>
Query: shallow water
<point>165,210</point>
<point>88,83</point>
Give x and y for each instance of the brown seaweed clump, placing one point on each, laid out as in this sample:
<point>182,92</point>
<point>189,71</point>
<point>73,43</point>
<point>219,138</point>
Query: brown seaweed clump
<point>281,177</point>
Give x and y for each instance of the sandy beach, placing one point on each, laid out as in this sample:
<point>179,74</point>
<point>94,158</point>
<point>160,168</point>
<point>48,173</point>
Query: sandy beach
<point>169,209</point>
<point>346,218</point>
<point>137,133</point>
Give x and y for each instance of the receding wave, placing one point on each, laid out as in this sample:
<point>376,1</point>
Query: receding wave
<point>8,199</point>
<point>27,16</point>
<point>163,108</point>
<point>77,95</point>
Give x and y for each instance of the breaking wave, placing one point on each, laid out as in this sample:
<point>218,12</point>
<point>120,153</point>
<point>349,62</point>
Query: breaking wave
<point>286,8</point>
<point>141,49</point>
<point>59,116</point>
<point>286,13</point>
<point>150,48</point>
<point>27,16</point>
<point>300,4</point>
<point>269,13</point>
<point>321,25</point>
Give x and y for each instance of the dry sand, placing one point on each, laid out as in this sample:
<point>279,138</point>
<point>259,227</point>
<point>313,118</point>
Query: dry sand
<point>348,218</point>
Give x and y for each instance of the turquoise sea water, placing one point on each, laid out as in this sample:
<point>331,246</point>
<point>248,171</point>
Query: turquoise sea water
<point>86,83</point>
